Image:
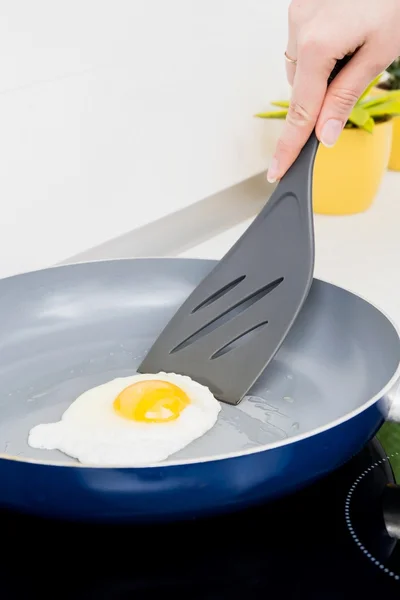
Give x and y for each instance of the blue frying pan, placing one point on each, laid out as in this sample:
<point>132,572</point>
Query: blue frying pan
<point>67,329</point>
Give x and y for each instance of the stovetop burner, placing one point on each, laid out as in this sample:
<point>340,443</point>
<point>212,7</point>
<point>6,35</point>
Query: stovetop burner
<point>326,541</point>
<point>369,522</point>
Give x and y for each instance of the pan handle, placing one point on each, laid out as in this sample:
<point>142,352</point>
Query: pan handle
<point>391,510</point>
<point>393,401</point>
<point>391,494</point>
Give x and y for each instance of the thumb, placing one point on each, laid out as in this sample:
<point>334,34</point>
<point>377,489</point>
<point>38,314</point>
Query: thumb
<point>343,94</point>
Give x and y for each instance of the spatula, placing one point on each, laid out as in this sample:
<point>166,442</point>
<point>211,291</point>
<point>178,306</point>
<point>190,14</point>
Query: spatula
<point>233,323</point>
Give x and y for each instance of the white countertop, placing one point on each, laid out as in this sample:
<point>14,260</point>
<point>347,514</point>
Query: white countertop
<point>360,252</point>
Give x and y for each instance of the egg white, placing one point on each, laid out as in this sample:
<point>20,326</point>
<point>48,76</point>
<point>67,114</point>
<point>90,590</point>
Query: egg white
<point>91,431</point>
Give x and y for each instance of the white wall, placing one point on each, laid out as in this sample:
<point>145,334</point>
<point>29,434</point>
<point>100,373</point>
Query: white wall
<point>119,111</point>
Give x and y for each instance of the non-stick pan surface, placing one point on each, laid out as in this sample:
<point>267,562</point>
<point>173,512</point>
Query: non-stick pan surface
<point>66,329</point>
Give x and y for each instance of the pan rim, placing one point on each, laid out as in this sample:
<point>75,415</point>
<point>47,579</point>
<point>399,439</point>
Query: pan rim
<point>227,455</point>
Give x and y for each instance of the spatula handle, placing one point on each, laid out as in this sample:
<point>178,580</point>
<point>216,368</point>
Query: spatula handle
<point>340,64</point>
<point>305,160</point>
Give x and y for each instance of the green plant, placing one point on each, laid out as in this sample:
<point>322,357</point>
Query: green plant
<point>393,80</point>
<point>367,112</point>
<point>389,437</point>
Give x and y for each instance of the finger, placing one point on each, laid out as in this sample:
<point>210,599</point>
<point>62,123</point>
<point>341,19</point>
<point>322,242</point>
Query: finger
<point>344,92</point>
<point>309,87</point>
<point>291,52</point>
<point>290,68</point>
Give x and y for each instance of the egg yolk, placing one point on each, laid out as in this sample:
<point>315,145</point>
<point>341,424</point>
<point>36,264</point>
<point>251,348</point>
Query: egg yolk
<point>151,401</point>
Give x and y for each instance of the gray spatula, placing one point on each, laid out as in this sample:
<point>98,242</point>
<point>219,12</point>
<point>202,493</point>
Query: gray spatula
<point>233,323</point>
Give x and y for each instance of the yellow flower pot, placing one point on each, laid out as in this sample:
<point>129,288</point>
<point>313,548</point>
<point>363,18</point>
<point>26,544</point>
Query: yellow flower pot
<point>394,160</point>
<point>347,176</point>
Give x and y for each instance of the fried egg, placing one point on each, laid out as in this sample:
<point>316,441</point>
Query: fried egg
<point>131,421</point>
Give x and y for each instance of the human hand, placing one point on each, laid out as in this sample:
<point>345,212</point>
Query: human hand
<point>320,33</point>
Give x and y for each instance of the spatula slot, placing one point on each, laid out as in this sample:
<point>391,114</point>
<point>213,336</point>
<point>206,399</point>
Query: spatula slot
<point>239,340</point>
<point>221,292</point>
<point>229,314</point>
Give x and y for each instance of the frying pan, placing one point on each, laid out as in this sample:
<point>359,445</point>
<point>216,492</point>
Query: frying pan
<point>66,329</point>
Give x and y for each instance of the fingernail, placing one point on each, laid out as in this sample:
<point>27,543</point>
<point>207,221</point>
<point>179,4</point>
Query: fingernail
<point>330,132</point>
<point>272,172</point>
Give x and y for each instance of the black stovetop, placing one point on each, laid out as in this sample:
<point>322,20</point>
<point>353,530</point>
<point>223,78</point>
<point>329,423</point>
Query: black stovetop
<point>321,543</point>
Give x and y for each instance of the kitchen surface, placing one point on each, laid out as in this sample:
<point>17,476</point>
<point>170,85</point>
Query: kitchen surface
<point>128,131</point>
